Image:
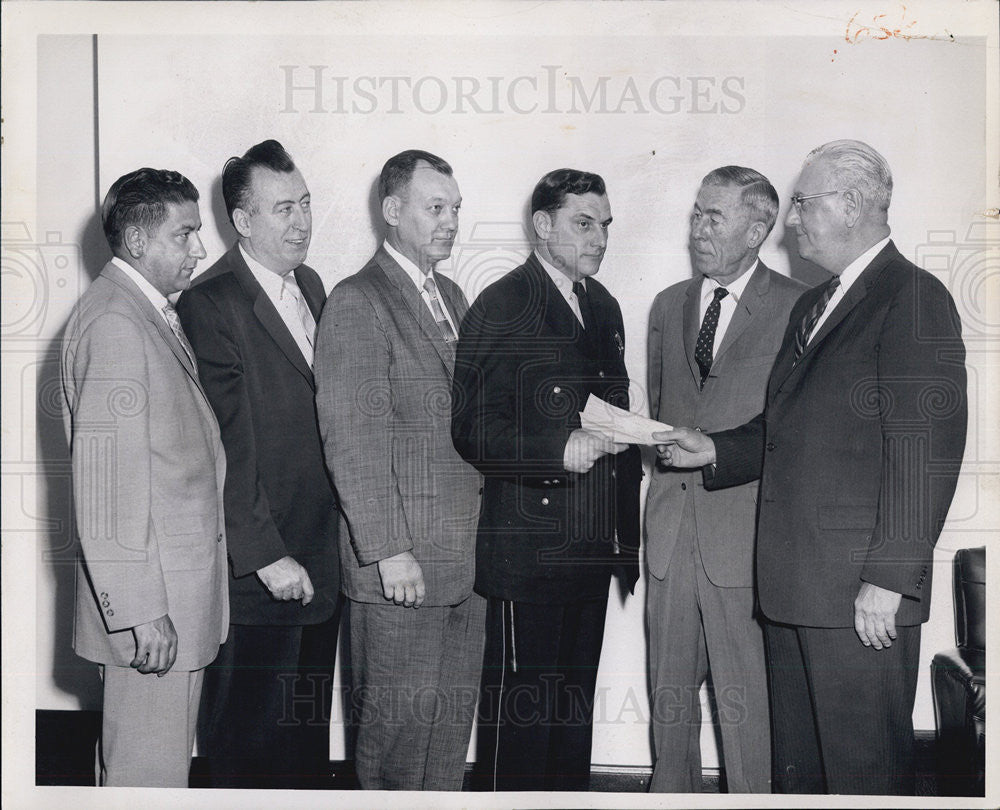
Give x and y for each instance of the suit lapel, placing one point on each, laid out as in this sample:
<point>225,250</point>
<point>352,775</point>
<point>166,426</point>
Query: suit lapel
<point>557,312</point>
<point>267,315</point>
<point>786,364</point>
<point>692,325</point>
<point>145,306</point>
<point>755,290</point>
<point>417,308</point>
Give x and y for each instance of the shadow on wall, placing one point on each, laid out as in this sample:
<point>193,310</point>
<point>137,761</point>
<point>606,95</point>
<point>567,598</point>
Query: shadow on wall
<point>70,674</point>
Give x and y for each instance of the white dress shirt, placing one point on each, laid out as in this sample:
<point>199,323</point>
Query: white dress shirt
<point>156,298</point>
<point>847,278</point>
<point>565,286</point>
<point>287,306</point>
<point>727,305</point>
<point>417,277</point>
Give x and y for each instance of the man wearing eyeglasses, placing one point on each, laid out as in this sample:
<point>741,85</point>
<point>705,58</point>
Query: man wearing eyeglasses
<point>858,451</point>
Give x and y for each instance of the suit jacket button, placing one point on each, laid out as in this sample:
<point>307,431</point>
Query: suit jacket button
<point>545,501</point>
<point>555,480</point>
<point>104,594</point>
<point>547,482</point>
<point>556,389</point>
<point>219,538</point>
<point>600,374</point>
<point>110,612</point>
<point>770,445</point>
<point>684,486</point>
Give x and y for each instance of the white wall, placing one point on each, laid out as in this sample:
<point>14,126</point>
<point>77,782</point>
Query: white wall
<point>688,87</point>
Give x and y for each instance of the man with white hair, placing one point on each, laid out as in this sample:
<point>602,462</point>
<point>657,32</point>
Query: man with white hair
<point>858,452</point>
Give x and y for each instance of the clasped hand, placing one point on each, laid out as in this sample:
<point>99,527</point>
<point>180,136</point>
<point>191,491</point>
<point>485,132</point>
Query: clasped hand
<point>584,448</point>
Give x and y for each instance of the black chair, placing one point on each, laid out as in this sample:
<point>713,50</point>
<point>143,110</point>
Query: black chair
<point>958,683</point>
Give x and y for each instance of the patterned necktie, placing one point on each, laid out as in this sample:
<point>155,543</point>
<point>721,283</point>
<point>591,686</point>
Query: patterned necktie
<point>174,321</point>
<point>290,287</point>
<point>447,332</point>
<point>703,349</point>
<point>804,331</point>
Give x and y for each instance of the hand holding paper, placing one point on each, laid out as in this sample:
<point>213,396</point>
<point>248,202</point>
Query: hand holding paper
<point>618,424</point>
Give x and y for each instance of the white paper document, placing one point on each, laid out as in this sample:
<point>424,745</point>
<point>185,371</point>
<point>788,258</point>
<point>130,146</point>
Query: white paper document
<point>618,424</point>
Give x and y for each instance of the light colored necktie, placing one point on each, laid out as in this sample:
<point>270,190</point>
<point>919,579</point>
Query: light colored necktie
<point>290,287</point>
<point>174,322</point>
<point>447,332</point>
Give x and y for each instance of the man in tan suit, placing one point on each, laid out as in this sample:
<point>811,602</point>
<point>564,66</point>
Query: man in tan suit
<point>148,470</point>
<point>712,341</point>
<point>385,356</point>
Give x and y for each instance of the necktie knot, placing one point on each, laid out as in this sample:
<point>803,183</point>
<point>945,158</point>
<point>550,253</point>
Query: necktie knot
<point>720,293</point>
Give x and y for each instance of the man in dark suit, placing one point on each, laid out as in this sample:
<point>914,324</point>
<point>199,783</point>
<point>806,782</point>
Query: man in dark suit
<point>858,452</point>
<point>148,472</point>
<point>251,319</point>
<point>712,342</point>
<point>384,364</point>
<point>560,507</point>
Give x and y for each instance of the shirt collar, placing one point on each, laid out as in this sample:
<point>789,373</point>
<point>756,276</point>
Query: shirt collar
<point>563,282</point>
<point>156,298</point>
<point>855,268</point>
<point>415,274</point>
<point>269,280</point>
<point>735,288</point>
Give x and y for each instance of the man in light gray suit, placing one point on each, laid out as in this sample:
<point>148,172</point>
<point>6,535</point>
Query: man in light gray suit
<point>712,341</point>
<point>385,356</point>
<point>152,603</point>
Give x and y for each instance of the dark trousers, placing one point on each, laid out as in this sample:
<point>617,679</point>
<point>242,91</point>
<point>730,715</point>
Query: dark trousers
<point>841,713</point>
<point>265,707</point>
<point>536,709</point>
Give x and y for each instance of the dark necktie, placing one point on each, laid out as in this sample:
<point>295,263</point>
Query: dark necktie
<point>706,335</point>
<point>586,312</point>
<point>814,314</point>
<point>437,308</point>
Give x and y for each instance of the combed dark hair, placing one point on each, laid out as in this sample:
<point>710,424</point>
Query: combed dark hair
<point>550,192</point>
<point>237,174</point>
<point>757,192</point>
<point>398,170</point>
<point>140,198</point>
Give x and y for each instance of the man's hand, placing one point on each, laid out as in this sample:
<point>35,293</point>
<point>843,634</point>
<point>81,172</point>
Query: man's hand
<point>584,447</point>
<point>155,646</point>
<point>402,580</point>
<point>684,447</point>
<point>875,615</point>
<point>287,580</point>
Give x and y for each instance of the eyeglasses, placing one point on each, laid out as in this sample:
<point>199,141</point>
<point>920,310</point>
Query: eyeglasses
<point>798,199</point>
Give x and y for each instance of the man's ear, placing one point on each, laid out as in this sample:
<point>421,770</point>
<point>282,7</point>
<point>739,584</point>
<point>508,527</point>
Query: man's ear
<point>390,210</point>
<point>853,205</point>
<point>135,241</point>
<point>241,221</point>
<point>756,235</point>
<point>543,224</point>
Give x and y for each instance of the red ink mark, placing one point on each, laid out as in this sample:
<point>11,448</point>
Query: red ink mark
<point>881,28</point>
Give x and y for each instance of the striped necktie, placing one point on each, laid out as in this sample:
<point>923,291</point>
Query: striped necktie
<point>803,333</point>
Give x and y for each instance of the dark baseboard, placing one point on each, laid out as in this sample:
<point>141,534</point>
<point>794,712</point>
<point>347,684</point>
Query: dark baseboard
<point>65,740</point>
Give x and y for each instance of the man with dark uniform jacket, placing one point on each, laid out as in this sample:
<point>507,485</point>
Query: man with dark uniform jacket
<point>560,503</point>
